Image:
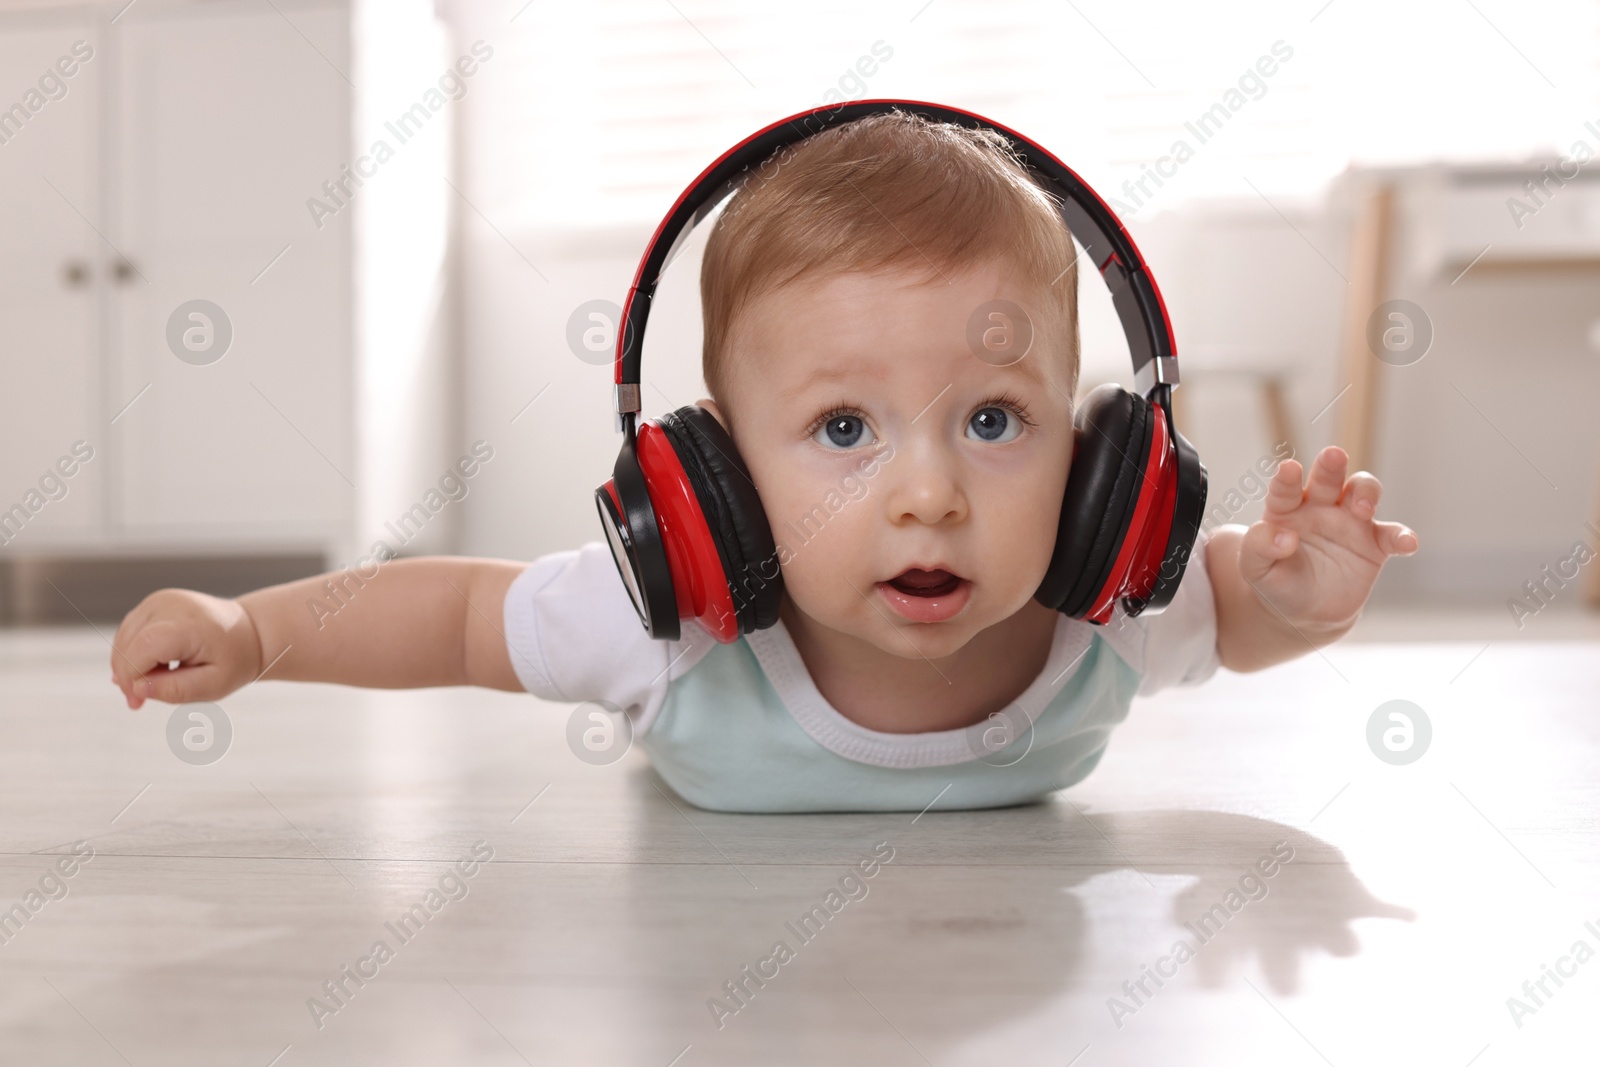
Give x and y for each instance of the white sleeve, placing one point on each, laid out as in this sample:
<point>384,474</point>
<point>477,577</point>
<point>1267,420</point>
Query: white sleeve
<point>1178,646</point>
<point>573,636</point>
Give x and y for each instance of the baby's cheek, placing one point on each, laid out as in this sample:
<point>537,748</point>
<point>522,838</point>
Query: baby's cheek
<point>1026,542</point>
<point>815,566</point>
<point>819,573</point>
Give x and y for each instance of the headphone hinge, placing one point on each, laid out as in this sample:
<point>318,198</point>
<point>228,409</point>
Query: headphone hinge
<point>1158,370</point>
<point>625,400</point>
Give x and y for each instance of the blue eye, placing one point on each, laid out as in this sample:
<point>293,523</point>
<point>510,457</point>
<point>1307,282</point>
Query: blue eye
<point>995,425</point>
<point>843,431</point>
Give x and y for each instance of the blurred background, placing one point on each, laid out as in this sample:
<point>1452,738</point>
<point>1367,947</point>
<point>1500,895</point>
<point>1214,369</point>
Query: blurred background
<point>276,274</point>
<point>270,268</point>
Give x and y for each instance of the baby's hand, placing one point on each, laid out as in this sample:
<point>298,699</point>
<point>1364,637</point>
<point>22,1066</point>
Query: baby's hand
<point>212,640</point>
<point>1331,548</point>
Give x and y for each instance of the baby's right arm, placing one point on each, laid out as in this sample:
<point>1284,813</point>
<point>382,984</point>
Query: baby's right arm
<point>429,621</point>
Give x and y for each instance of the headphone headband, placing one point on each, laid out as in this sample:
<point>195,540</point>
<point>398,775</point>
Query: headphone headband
<point>1133,291</point>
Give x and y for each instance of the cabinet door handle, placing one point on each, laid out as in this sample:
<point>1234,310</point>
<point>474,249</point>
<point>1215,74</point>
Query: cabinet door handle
<point>122,271</point>
<point>75,274</point>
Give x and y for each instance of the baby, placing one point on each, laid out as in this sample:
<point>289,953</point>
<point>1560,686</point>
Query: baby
<point>910,663</point>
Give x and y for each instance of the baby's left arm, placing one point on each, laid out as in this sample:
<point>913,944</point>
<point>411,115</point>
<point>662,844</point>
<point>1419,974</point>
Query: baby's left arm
<point>1297,579</point>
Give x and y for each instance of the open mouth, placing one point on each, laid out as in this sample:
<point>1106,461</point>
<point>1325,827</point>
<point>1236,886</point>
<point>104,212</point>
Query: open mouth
<point>921,583</point>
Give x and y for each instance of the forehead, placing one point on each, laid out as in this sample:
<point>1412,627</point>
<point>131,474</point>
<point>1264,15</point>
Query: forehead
<point>887,327</point>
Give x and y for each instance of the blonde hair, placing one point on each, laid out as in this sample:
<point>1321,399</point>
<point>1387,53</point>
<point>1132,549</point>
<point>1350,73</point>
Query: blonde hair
<point>893,190</point>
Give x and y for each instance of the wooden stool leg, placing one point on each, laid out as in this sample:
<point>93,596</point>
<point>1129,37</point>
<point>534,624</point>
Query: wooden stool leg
<point>1369,282</point>
<point>1591,582</point>
<point>1278,417</point>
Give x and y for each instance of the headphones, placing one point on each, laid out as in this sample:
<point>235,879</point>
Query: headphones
<point>681,514</point>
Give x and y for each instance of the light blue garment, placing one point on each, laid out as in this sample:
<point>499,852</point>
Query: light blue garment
<point>724,740</point>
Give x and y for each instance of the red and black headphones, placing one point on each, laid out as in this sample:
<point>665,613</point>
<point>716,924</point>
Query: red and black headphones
<point>686,526</point>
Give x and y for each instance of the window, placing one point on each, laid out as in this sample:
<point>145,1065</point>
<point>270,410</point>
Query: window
<point>608,110</point>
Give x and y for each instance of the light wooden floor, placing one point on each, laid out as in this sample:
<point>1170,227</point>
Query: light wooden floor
<point>220,898</point>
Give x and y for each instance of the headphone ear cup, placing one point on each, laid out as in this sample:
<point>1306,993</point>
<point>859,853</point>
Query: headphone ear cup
<point>1111,432</point>
<point>633,532</point>
<point>733,513</point>
<point>1188,510</point>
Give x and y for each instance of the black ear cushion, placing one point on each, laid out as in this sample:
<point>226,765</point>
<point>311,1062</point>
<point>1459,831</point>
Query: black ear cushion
<point>1112,434</point>
<point>733,510</point>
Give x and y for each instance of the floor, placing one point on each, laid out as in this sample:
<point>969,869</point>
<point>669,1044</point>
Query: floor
<point>211,907</point>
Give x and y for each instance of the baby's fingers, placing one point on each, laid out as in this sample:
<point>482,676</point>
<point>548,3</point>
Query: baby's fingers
<point>182,686</point>
<point>1265,544</point>
<point>148,652</point>
<point>1361,493</point>
<point>1326,480</point>
<point>1396,539</point>
<point>1283,491</point>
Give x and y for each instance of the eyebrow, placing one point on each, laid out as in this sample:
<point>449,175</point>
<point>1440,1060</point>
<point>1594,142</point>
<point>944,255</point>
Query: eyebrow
<point>1029,370</point>
<point>830,374</point>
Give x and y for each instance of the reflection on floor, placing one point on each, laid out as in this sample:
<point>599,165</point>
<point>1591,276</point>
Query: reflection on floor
<point>532,908</point>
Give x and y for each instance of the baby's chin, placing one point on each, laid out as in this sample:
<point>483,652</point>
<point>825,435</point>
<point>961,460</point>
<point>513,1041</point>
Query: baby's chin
<point>931,642</point>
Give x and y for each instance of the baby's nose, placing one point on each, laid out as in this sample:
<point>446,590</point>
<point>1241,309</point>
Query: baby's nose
<point>929,493</point>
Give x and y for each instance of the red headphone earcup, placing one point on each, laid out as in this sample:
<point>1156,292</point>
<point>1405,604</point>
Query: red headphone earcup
<point>733,514</point>
<point>686,581</point>
<point>1189,486</point>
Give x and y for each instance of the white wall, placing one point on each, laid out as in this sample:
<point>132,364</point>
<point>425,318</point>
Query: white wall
<point>537,495</point>
<point>406,400</point>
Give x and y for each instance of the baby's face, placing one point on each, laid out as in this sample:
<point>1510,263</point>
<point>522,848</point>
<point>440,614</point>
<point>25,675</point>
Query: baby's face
<point>880,441</point>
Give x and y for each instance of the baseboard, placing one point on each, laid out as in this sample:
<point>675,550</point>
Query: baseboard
<point>47,591</point>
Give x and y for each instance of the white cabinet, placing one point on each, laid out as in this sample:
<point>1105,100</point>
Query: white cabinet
<point>1544,213</point>
<point>51,268</point>
<point>227,121</point>
<point>176,166</point>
